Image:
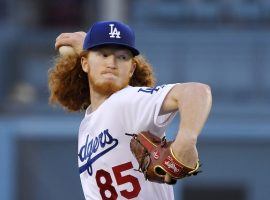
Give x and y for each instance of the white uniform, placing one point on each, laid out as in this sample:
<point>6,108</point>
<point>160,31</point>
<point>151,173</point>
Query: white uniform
<point>105,161</point>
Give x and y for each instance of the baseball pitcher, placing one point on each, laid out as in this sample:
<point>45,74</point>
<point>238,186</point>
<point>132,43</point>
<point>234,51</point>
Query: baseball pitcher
<point>122,149</point>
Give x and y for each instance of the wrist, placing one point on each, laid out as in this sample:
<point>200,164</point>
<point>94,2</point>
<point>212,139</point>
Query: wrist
<point>185,154</point>
<point>185,138</point>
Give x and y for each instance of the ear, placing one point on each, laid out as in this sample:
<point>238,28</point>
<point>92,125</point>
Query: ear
<point>84,64</point>
<point>132,69</point>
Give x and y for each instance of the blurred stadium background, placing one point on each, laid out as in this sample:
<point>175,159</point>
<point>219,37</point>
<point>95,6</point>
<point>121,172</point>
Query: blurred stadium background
<point>223,43</point>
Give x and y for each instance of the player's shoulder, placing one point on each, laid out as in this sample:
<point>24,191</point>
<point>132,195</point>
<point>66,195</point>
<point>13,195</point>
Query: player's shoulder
<point>131,92</point>
<point>144,89</point>
<point>148,90</point>
<point>125,93</point>
<point>132,95</point>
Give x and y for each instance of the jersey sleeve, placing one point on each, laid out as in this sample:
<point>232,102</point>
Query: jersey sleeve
<point>142,107</point>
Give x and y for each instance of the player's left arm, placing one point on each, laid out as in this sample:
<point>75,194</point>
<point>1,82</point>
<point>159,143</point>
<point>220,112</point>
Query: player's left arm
<point>194,101</point>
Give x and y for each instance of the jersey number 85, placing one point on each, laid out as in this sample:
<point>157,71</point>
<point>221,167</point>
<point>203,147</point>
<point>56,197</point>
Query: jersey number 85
<point>104,182</point>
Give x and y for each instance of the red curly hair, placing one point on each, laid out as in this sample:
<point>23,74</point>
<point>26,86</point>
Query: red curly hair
<point>69,87</point>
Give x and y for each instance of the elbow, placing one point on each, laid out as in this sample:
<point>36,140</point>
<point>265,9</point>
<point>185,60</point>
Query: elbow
<point>195,86</point>
<point>204,91</point>
<point>191,91</point>
<point>207,90</point>
<point>199,90</point>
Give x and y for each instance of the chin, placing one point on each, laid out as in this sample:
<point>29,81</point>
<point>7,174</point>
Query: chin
<point>108,87</point>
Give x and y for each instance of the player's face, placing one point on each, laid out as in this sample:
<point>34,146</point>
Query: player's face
<point>109,69</point>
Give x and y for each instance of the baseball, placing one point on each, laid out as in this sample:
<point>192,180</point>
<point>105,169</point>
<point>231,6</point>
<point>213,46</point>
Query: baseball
<point>66,51</point>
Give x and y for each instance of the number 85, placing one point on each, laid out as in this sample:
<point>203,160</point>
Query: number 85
<point>120,180</point>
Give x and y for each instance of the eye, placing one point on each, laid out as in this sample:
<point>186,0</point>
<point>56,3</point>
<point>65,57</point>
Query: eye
<point>123,57</point>
<point>105,55</point>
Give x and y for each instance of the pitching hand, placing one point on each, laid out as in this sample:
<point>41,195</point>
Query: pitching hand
<point>74,40</point>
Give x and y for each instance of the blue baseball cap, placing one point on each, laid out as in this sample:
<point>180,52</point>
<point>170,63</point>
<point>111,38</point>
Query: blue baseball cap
<point>110,33</point>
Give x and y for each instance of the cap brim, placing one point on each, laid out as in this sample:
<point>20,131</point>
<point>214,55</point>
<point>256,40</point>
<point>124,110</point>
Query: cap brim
<point>134,51</point>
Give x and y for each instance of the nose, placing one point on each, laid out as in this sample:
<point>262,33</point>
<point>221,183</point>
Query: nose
<point>111,61</point>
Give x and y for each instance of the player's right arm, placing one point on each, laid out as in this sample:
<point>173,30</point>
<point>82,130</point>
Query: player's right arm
<point>74,40</point>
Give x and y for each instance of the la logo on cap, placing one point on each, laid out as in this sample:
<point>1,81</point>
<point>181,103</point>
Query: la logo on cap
<point>114,32</point>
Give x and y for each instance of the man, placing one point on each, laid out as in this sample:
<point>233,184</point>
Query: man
<point>109,79</point>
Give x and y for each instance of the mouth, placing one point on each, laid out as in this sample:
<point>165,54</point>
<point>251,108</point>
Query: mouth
<point>108,72</point>
<point>109,75</point>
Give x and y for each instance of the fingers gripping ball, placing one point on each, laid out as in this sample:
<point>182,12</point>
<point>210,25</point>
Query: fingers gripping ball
<point>66,51</point>
<point>156,159</point>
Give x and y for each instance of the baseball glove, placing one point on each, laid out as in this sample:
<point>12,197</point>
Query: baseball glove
<point>156,159</point>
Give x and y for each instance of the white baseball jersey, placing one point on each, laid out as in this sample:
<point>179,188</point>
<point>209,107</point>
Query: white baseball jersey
<point>106,163</point>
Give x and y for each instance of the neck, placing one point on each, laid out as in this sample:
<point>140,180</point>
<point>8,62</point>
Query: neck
<point>97,99</point>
